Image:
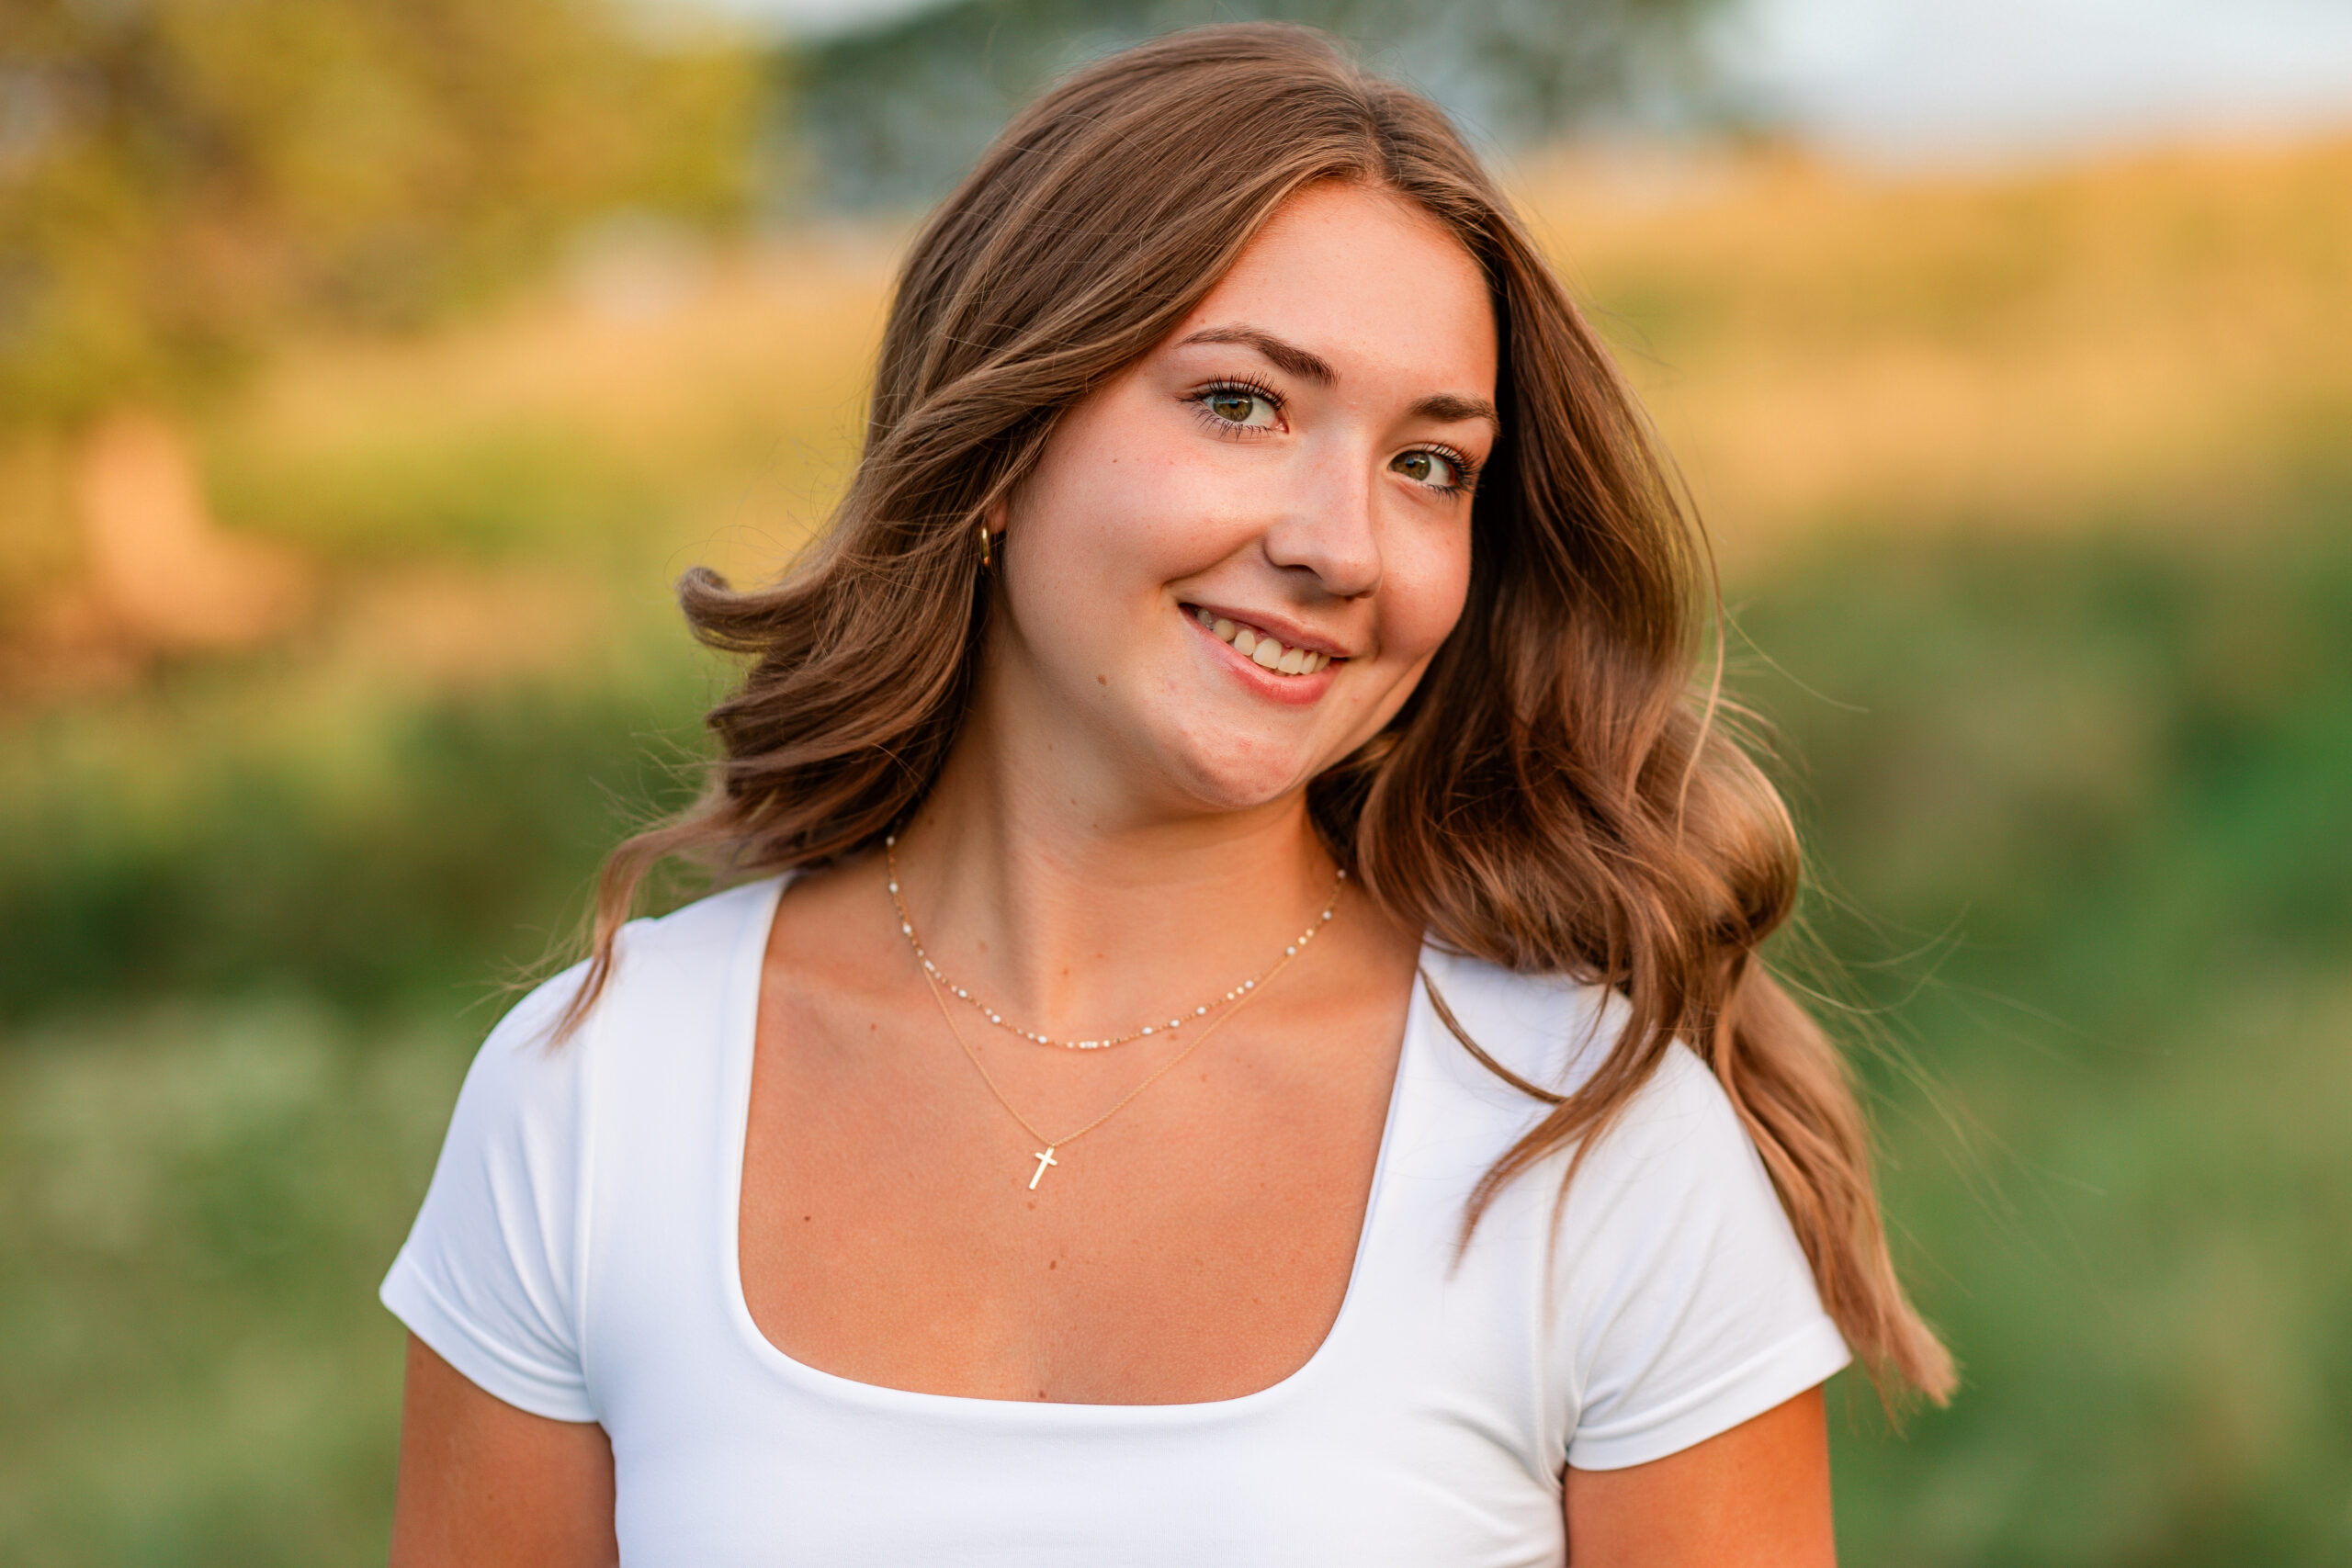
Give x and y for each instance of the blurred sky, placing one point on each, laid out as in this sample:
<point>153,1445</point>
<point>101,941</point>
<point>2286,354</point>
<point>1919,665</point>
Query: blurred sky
<point>1926,79</point>
<point>1934,79</point>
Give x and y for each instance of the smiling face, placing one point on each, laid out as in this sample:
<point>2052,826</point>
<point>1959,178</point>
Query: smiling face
<point>1233,562</point>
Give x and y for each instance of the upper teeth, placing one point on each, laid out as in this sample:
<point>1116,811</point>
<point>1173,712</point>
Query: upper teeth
<point>1262,649</point>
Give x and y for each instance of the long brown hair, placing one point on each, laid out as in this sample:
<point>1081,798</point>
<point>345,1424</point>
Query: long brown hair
<point>1557,796</point>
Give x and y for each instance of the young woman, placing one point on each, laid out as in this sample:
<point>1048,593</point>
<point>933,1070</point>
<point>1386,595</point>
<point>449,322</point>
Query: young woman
<point>1243,1043</point>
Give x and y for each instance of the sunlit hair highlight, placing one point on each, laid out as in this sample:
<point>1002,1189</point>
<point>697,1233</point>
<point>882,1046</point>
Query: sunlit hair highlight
<point>1555,797</point>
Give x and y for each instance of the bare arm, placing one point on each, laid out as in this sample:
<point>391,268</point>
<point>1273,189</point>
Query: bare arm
<point>483,1484</point>
<point>1757,1496</point>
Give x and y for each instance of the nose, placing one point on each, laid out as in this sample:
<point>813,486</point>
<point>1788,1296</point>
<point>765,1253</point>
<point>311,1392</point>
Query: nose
<point>1327,527</point>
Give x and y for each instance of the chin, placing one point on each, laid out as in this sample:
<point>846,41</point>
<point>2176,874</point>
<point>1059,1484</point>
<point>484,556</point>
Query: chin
<point>1228,771</point>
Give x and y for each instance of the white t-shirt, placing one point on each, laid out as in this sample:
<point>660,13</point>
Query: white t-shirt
<point>576,1256</point>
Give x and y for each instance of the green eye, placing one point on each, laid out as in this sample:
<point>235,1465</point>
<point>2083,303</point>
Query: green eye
<point>1430,469</point>
<point>1239,405</point>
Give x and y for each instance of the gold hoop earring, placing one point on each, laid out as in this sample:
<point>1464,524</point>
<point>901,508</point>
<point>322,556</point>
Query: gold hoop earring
<point>986,557</point>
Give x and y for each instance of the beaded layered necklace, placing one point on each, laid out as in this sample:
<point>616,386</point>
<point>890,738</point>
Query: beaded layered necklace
<point>1240,993</point>
<point>1207,1016</point>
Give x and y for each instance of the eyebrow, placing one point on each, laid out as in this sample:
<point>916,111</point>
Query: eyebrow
<point>1287,357</point>
<point>1447,407</point>
<point>1307,365</point>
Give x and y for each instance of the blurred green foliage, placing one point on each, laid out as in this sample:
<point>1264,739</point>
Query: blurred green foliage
<point>197,1201</point>
<point>361,849</point>
<point>183,180</point>
<point>2079,810</point>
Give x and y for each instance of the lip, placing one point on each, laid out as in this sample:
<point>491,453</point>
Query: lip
<point>1291,691</point>
<point>1289,633</point>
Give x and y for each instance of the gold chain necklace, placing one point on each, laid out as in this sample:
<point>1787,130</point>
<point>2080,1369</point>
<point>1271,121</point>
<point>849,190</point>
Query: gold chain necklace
<point>1232,997</point>
<point>936,984</point>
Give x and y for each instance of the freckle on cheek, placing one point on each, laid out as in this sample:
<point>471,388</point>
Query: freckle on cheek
<point>1102,680</point>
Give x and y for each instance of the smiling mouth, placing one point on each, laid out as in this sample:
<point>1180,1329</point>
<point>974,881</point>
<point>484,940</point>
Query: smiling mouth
<point>1260,649</point>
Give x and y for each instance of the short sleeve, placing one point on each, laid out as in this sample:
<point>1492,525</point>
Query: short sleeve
<point>490,1274</point>
<point>1691,1305</point>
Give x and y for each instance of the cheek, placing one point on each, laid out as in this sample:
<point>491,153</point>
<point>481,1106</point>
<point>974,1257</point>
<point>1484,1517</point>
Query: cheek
<point>1111,508</point>
<point>1428,585</point>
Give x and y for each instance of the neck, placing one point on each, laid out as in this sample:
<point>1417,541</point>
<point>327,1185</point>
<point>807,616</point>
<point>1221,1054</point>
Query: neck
<point>1079,912</point>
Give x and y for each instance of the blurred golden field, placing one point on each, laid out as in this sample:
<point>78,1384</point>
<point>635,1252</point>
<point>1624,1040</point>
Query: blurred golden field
<point>2035,351</point>
<point>2033,492</point>
<point>2045,351</point>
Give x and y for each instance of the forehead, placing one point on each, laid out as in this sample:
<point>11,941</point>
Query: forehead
<point>1367,280</point>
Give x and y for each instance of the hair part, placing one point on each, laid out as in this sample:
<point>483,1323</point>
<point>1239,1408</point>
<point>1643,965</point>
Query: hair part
<point>1556,796</point>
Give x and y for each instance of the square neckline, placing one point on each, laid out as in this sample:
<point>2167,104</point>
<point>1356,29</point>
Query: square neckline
<point>739,1046</point>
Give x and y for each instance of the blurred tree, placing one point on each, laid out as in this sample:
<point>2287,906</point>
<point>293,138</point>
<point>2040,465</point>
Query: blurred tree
<point>894,114</point>
<point>182,180</point>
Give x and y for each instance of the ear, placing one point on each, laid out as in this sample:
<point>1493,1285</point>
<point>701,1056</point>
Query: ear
<point>998,512</point>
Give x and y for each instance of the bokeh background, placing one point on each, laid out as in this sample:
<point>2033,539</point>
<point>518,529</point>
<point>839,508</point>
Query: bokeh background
<point>369,368</point>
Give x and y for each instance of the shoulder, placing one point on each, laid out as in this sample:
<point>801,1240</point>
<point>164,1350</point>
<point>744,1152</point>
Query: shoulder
<point>1551,1029</point>
<point>1688,1304</point>
<point>1679,1301</point>
<point>494,1275</point>
<point>674,976</point>
<point>1680,1123</point>
<point>687,944</point>
<point>1555,1031</point>
<point>668,973</point>
<point>487,1276</point>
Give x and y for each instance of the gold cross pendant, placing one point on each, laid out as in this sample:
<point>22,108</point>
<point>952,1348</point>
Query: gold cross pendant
<point>1043,1160</point>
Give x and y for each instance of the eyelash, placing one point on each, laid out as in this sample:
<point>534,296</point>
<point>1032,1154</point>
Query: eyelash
<point>1463,466</point>
<point>1200,401</point>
